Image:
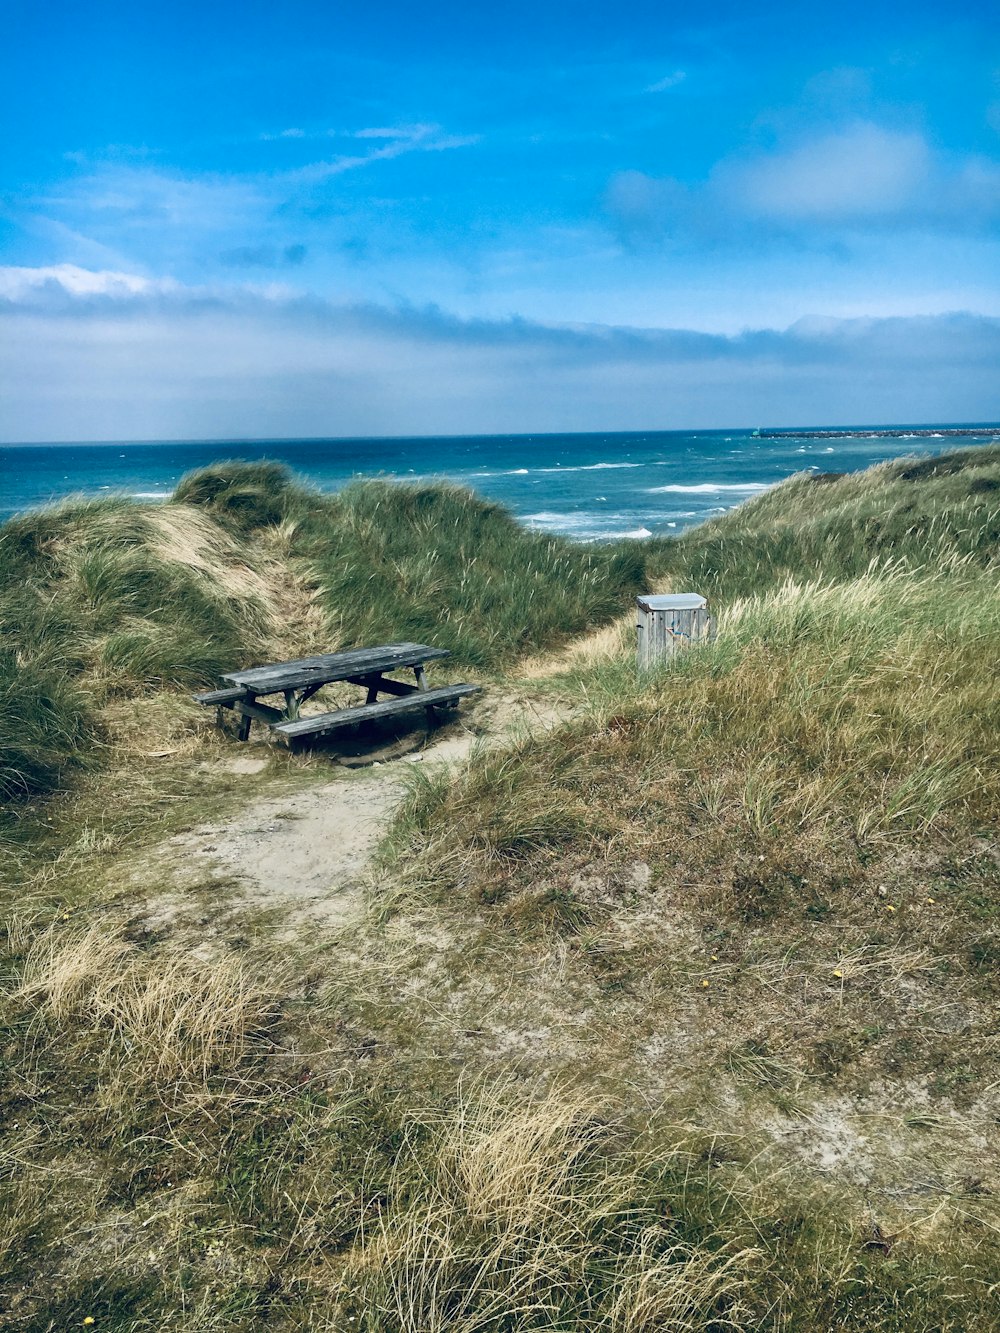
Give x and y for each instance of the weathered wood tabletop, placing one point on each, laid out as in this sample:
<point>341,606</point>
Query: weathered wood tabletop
<point>330,667</point>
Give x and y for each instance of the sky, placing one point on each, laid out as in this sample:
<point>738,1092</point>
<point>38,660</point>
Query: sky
<point>232,220</point>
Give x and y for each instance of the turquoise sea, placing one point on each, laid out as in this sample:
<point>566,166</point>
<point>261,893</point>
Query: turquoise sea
<point>593,486</point>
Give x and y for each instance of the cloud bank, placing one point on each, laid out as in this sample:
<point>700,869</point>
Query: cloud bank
<point>109,355</point>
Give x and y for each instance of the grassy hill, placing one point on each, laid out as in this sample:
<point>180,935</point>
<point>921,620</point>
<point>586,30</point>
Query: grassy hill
<point>679,1014</point>
<point>110,598</point>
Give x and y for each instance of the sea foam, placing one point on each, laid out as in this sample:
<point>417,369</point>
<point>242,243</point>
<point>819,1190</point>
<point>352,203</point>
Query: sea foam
<point>709,488</point>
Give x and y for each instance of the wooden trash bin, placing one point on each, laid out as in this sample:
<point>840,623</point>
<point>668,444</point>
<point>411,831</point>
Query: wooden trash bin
<point>668,623</point>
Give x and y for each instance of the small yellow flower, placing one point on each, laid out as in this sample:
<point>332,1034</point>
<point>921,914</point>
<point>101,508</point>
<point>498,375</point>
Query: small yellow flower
<point>932,900</point>
<point>704,985</point>
<point>889,907</point>
<point>715,957</point>
<point>838,974</point>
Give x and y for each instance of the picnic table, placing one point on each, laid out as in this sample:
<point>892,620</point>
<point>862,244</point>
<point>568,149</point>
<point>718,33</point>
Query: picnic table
<point>300,679</point>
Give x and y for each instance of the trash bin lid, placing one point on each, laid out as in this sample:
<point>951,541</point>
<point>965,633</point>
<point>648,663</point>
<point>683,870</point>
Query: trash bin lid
<point>672,601</point>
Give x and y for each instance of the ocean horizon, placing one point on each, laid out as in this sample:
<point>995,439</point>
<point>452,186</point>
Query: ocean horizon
<point>593,486</point>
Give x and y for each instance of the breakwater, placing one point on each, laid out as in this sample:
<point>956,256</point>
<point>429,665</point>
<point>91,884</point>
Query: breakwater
<point>886,433</point>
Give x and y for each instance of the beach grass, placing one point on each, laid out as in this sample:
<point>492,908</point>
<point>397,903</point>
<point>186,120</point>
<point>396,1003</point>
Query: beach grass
<point>677,1013</point>
<point>90,608</point>
<point>919,513</point>
<point>429,563</point>
<point>111,597</point>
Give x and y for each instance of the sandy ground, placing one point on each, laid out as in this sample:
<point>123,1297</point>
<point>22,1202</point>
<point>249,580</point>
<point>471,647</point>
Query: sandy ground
<point>307,851</point>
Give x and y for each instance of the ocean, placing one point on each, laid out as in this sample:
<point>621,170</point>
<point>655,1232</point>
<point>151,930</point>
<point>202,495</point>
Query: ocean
<point>591,487</point>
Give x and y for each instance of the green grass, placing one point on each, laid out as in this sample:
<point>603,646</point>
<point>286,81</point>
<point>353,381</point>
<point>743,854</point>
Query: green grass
<point>244,495</point>
<point>918,513</point>
<point>91,610</point>
<point>828,723</point>
<point>678,1016</point>
<point>438,565</point>
<point>428,563</point>
<point>97,600</point>
<point>44,731</point>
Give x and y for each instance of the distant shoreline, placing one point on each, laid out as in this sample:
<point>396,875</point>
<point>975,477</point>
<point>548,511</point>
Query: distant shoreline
<point>878,433</point>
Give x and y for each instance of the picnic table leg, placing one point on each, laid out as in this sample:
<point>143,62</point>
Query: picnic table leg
<point>373,691</point>
<point>421,679</point>
<point>244,731</point>
<point>291,706</point>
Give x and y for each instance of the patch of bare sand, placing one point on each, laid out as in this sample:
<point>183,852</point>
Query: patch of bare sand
<point>306,851</point>
<point>507,712</point>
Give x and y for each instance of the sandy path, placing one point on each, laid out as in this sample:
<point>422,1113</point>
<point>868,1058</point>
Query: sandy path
<point>307,851</point>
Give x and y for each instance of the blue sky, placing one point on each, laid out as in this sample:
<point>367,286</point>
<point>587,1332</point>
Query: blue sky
<point>236,219</point>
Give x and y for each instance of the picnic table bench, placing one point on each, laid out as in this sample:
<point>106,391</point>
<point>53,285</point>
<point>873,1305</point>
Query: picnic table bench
<point>299,680</point>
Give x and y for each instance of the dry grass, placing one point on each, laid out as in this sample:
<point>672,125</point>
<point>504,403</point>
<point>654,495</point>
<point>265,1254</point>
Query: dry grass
<point>729,936</point>
<point>262,569</point>
<point>526,1220</point>
<point>587,653</point>
<point>173,1017</point>
<point>760,889</point>
<point>183,535</point>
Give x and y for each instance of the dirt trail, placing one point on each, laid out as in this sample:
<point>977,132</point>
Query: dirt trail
<point>307,851</point>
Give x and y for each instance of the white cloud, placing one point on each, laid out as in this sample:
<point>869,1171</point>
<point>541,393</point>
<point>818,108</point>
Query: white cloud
<point>420,130</point>
<point>428,140</point>
<point>859,177</point>
<point>667,82</point>
<point>126,197</point>
<point>125,202</point>
<point>414,132</point>
<point>21,284</point>
<point>858,172</point>
<point>117,215</point>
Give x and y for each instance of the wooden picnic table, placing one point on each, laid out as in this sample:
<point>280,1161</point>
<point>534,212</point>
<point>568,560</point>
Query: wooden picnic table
<point>299,680</point>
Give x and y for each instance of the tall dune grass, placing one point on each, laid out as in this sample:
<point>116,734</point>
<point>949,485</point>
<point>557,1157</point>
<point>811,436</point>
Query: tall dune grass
<point>92,602</point>
<point>861,710</point>
<point>89,609</point>
<point>44,731</point>
<point>193,1138</point>
<point>921,513</point>
<point>243,495</point>
<point>432,563</point>
<point>437,564</point>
